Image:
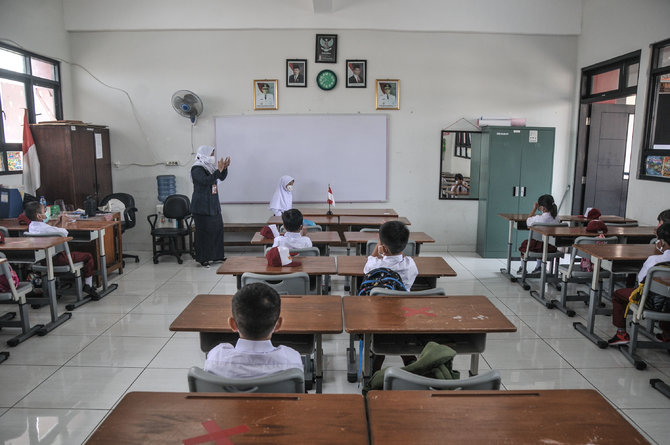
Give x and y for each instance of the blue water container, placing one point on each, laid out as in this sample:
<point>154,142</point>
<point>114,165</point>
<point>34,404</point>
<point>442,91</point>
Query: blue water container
<point>167,185</point>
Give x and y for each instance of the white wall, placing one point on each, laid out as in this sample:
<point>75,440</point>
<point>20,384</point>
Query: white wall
<point>443,77</point>
<point>611,28</point>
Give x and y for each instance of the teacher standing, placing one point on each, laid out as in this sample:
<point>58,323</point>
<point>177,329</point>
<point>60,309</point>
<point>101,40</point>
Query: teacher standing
<point>205,205</point>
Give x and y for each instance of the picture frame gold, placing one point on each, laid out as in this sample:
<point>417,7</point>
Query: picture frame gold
<point>387,94</point>
<point>265,94</point>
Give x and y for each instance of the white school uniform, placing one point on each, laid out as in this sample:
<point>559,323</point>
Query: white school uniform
<point>651,262</point>
<point>404,265</point>
<point>544,218</point>
<point>282,200</point>
<point>292,240</point>
<point>250,358</point>
<point>38,227</point>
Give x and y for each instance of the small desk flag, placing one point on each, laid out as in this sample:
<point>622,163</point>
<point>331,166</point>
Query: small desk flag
<point>331,198</point>
<point>31,163</point>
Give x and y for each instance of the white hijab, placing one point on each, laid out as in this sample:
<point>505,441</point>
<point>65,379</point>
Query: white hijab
<point>282,200</point>
<point>203,158</point>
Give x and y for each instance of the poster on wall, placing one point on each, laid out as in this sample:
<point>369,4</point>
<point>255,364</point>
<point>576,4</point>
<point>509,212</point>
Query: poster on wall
<point>654,165</point>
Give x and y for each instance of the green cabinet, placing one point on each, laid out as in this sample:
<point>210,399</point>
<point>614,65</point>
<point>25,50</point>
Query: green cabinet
<point>515,168</point>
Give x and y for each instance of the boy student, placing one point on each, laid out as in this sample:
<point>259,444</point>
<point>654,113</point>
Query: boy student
<point>256,309</point>
<point>294,237</point>
<point>393,237</point>
<point>35,212</point>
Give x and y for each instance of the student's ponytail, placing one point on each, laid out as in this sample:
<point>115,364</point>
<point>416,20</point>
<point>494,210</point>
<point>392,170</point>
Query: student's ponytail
<point>547,201</point>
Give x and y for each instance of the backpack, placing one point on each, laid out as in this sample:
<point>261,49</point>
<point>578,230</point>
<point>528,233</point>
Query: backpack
<point>636,295</point>
<point>381,277</point>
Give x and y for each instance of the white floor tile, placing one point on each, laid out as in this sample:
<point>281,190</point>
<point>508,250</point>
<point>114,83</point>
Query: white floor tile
<point>113,351</point>
<point>22,426</point>
<point>168,380</point>
<point>653,422</point>
<point>522,354</point>
<point>17,381</point>
<point>179,353</point>
<point>143,325</point>
<point>627,387</point>
<point>48,350</point>
<point>581,353</point>
<point>515,379</point>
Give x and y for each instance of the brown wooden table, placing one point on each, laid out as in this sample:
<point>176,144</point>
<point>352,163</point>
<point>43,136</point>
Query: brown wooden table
<point>370,221</point>
<point>323,220</point>
<point>318,238</point>
<point>315,211</point>
<point>566,417</point>
<point>160,418</point>
<point>614,258</point>
<point>29,251</point>
<point>312,265</point>
<point>305,319</point>
<point>406,324</point>
<point>582,220</point>
<point>361,239</point>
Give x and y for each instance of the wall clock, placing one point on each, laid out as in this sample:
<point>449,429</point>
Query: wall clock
<point>326,80</point>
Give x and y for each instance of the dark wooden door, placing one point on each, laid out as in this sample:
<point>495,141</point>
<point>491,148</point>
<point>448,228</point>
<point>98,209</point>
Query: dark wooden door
<point>83,160</point>
<point>606,185</point>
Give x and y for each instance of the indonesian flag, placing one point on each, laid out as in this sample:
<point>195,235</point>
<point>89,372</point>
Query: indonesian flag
<point>31,164</point>
<point>331,198</point>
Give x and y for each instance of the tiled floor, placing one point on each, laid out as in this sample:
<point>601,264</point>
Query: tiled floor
<point>56,389</point>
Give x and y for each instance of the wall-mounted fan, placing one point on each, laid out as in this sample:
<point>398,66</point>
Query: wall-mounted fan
<point>187,104</point>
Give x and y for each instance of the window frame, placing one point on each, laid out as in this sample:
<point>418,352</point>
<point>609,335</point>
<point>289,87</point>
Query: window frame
<point>622,63</point>
<point>655,73</point>
<point>29,81</point>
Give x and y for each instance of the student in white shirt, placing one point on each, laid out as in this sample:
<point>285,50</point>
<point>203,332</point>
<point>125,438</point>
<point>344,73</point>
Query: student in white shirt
<point>282,200</point>
<point>620,297</point>
<point>393,237</point>
<point>256,308</point>
<point>35,212</point>
<point>294,237</point>
<point>460,186</point>
<point>548,215</point>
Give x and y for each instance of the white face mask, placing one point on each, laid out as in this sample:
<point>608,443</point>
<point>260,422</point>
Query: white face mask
<point>211,159</point>
<point>659,246</point>
<point>289,188</point>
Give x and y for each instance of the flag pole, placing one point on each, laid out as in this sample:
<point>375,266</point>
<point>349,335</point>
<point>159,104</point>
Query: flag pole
<point>330,212</point>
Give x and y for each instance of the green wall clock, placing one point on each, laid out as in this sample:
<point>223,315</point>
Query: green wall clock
<point>326,80</point>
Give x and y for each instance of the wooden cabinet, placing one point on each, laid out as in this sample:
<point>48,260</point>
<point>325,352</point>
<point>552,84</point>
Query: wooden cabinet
<point>75,161</point>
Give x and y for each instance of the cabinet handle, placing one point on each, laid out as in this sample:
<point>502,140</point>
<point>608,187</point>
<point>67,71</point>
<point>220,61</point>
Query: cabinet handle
<point>523,191</point>
<point>514,191</point>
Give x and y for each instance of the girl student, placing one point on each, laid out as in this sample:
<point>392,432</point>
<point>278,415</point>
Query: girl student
<point>548,215</point>
<point>282,200</point>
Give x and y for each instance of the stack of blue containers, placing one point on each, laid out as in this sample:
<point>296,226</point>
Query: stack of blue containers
<point>167,185</point>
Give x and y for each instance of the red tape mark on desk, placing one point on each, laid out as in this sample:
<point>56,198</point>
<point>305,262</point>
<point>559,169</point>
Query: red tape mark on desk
<point>216,434</point>
<point>423,311</point>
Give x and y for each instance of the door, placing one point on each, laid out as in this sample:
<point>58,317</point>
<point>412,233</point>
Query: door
<point>608,158</point>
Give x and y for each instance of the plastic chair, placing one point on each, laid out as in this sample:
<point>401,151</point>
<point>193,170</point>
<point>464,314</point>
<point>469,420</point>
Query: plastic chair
<point>70,270</point>
<point>368,229</point>
<point>16,295</point>
<point>172,240</point>
<point>650,316</point>
<point>410,248</point>
<point>288,381</point>
<point>399,379</point>
<point>293,283</point>
<point>129,218</point>
<point>391,292</point>
<point>572,273</point>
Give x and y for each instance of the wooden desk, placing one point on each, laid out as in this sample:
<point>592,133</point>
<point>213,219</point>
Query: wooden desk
<point>309,211</point>
<point>611,257</point>
<point>361,239</point>
<point>320,220</point>
<point>30,251</point>
<point>565,236</point>
<point>497,417</point>
<point>370,221</point>
<point>582,220</point>
<point>306,318</point>
<point>313,266</point>
<point>158,418</point>
<point>318,238</point>
<point>461,322</point>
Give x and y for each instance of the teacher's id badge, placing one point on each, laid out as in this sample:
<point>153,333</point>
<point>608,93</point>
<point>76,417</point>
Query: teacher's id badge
<point>213,189</point>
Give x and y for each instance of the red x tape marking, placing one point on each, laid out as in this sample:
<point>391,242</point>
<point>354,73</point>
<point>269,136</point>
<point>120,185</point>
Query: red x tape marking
<point>423,311</point>
<point>216,434</point>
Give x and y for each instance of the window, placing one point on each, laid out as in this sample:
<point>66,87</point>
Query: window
<point>27,81</point>
<point>655,159</point>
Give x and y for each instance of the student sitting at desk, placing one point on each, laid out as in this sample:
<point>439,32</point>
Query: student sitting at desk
<point>256,309</point>
<point>294,237</point>
<point>282,200</point>
<point>393,237</point>
<point>621,297</point>
<point>38,225</point>
<point>549,215</point>
<point>460,186</point>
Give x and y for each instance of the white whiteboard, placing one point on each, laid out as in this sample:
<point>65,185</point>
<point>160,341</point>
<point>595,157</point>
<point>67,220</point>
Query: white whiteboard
<point>347,151</point>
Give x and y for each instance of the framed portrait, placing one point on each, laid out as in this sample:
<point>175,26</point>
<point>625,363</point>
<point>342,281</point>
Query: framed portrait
<point>296,73</point>
<point>357,73</point>
<point>326,48</point>
<point>388,94</point>
<point>265,94</point>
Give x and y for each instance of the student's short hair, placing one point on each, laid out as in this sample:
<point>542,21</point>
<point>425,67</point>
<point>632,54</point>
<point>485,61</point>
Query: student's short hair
<point>394,235</point>
<point>664,216</point>
<point>292,220</point>
<point>663,232</point>
<point>256,309</point>
<point>458,176</point>
<point>32,209</point>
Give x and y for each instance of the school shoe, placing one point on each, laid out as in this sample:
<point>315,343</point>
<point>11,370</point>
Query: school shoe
<point>91,291</point>
<point>663,338</point>
<point>619,339</point>
<point>204,264</point>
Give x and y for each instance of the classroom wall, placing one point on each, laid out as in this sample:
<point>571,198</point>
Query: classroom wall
<point>611,28</point>
<point>443,77</point>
